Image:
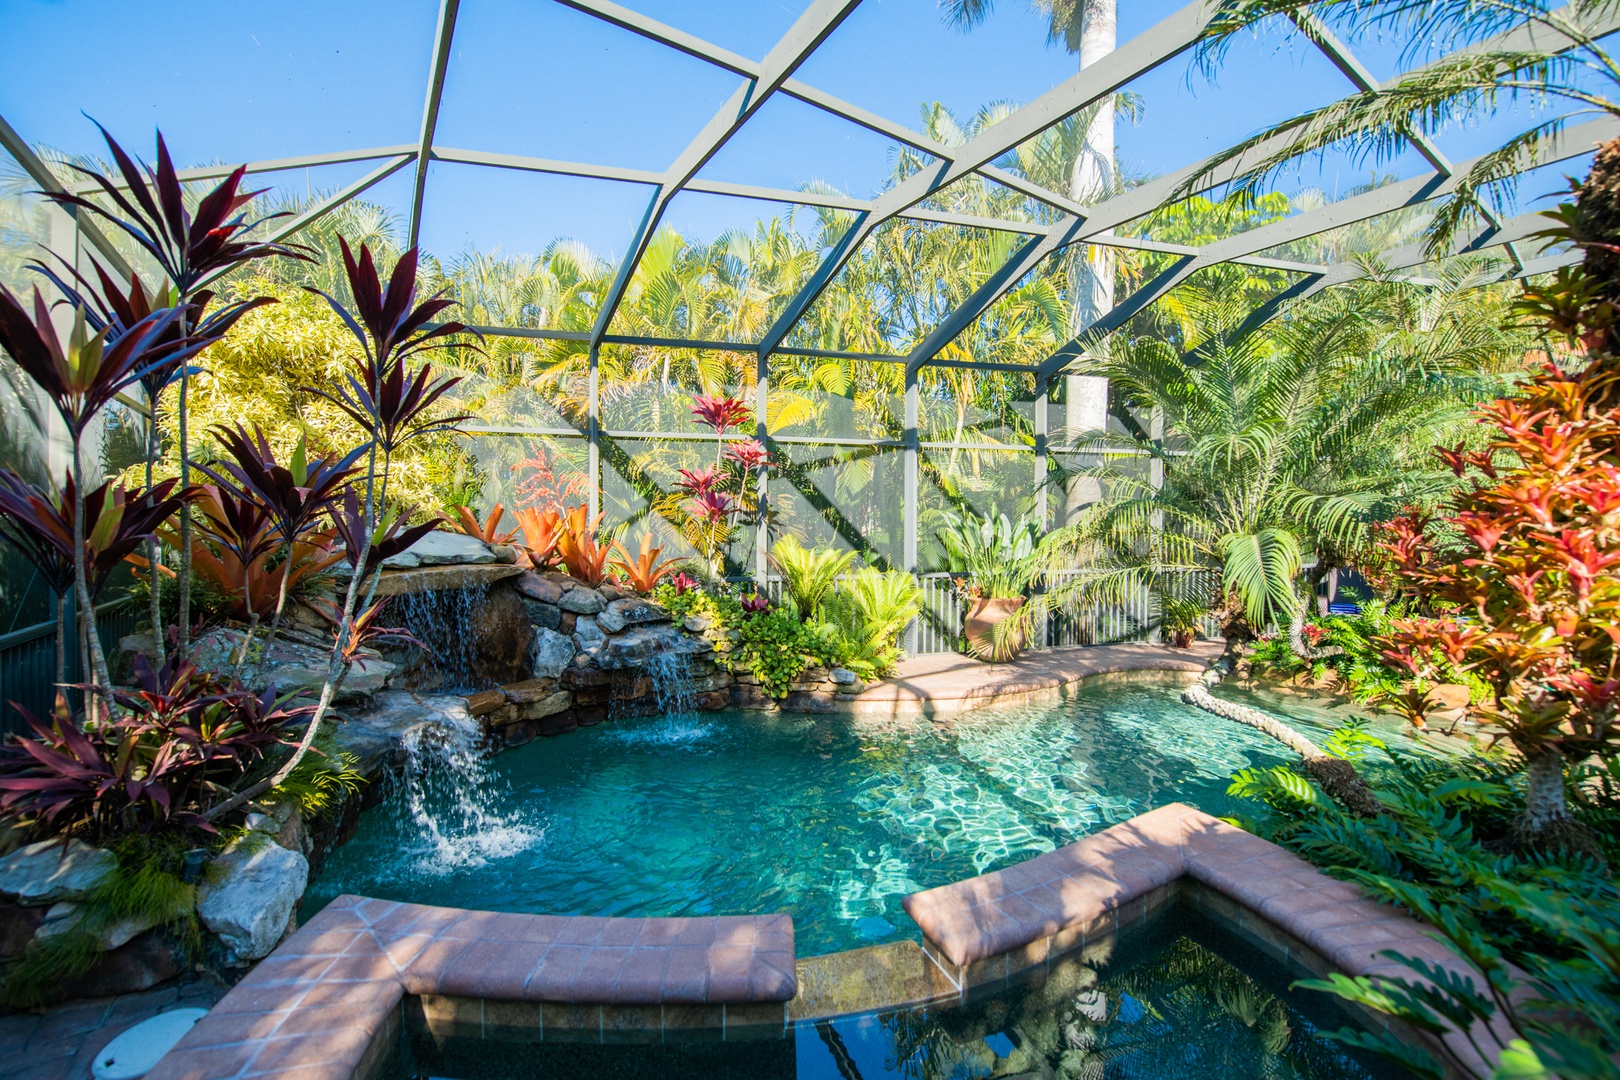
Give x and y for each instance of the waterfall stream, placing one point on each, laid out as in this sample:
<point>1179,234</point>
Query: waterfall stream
<point>442,619</point>
<point>458,811</point>
<point>680,722</point>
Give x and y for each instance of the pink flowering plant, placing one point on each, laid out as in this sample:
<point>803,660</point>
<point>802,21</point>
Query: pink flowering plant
<point>718,499</point>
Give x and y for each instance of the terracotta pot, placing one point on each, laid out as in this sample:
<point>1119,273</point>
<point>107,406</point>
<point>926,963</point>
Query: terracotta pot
<point>1183,639</point>
<point>983,614</point>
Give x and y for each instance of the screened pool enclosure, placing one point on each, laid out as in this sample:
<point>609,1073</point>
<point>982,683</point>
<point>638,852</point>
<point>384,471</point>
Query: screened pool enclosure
<point>911,342</point>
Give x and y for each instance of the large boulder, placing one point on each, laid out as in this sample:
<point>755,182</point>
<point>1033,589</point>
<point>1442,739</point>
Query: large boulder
<point>537,699</point>
<point>540,589</point>
<point>475,638</point>
<point>634,647</point>
<point>582,601</point>
<point>440,548</point>
<point>374,736</point>
<point>49,871</point>
<point>291,665</point>
<point>552,654</point>
<point>503,636</point>
<point>630,611</point>
<point>588,635</point>
<point>153,957</point>
<point>65,916</point>
<point>250,893</point>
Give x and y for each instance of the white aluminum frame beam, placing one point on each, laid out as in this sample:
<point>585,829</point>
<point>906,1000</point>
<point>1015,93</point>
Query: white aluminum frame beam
<point>811,28</point>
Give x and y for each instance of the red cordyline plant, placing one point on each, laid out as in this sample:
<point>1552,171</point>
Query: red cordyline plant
<point>80,376</point>
<point>393,403</point>
<point>720,494</point>
<point>293,498</point>
<point>40,523</point>
<point>193,245</point>
<point>108,309</point>
<point>1535,587</point>
<point>181,735</point>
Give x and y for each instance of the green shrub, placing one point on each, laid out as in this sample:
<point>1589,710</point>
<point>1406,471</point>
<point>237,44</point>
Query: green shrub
<point>772,647</point>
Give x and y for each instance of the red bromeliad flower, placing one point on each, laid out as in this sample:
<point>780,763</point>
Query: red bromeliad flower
<point>755,604</point>
<point>749,453</point>
<point>700,482</point>
<point>720,414</point>
<point>683,583</point>
<point>1312,633</point>
<point>712,506</point>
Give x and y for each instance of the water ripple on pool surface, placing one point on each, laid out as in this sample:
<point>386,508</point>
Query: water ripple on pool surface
<point>828,818</point>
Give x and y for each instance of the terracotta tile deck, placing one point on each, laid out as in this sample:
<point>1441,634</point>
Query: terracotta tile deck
<point>327,1003</point>
<point>947,683</point>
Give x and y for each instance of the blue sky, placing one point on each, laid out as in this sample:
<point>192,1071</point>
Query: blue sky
<point>230,80</point>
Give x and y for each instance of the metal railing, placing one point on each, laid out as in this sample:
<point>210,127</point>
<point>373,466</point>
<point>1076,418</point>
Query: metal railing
<point>28,661</point>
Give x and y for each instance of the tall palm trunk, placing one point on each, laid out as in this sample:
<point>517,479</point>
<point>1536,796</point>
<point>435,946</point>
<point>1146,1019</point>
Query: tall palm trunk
<point>1599,201</point>
<point>1546,823</point>
<point>1091,178</point>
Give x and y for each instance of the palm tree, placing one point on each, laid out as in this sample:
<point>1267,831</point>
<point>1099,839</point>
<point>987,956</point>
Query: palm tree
<point>1565,72</point>
<point>1088,30</point>
<point>1287,442</point>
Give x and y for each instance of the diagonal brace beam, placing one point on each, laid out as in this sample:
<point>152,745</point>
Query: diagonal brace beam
<point>785,57</point>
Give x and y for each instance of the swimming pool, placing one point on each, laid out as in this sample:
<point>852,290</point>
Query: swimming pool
<point>828,818</point>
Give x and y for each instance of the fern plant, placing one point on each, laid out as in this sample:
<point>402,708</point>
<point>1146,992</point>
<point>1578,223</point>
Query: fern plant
<point>870,612</point>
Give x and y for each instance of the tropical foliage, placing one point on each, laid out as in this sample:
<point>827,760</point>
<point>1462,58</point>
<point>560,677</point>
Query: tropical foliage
<point>1538,932</point>
<point>1465,59</point>
<point>1287,444</point>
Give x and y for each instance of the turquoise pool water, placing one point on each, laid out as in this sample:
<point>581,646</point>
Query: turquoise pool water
<point>831,819</point>
<point>1181,999</point>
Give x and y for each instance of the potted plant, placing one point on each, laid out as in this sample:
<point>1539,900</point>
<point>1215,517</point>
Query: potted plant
<point>1179,620</point>
<point>1000,558</point>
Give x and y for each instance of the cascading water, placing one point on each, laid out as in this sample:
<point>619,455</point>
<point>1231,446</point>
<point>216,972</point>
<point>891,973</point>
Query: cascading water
<point>455,809</point>
<point>680,722</point>
<point>442,620</point>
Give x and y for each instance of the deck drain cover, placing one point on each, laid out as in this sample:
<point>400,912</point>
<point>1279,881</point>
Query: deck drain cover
<point>133,1053</point>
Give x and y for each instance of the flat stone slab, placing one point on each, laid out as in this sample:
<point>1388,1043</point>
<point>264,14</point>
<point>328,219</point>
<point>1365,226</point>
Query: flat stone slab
<point>325,1004</point>
<point>443,548</point>
<point>440,578</point>
<point>50,871</point>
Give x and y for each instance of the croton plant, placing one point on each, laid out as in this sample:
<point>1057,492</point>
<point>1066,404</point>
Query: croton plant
<point>1531,601</point>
